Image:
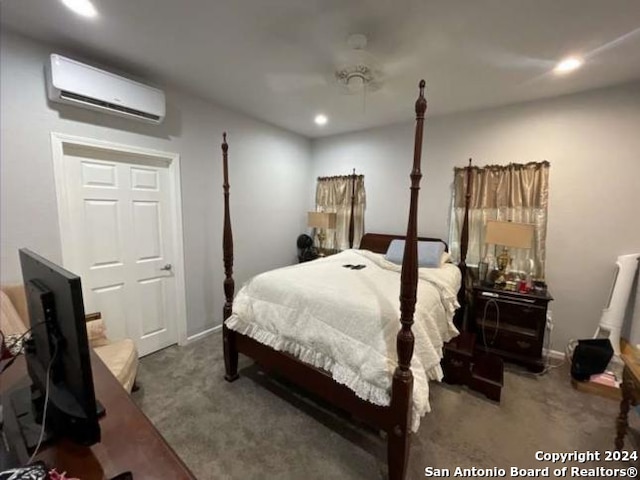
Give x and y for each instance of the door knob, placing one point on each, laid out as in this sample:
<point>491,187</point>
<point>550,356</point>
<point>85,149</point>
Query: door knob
<point>167,267</point>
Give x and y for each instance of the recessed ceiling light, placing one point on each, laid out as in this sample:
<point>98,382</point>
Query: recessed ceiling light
<point>81,7</point>
<point>321,119</point>
<point>567,65</point>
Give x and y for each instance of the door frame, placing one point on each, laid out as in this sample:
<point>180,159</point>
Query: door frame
<point>172,161</point>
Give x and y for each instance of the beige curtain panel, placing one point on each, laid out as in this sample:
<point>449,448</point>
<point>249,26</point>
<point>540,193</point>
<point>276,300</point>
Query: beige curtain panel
<point>514,192</point>
<point>333,195</point>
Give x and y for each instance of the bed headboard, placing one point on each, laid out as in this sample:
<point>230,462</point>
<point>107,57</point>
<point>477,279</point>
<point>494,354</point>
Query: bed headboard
<point>379,242</point>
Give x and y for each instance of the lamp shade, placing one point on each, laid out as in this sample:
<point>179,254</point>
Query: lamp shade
<point>509,234</point>
<point>321,220</point>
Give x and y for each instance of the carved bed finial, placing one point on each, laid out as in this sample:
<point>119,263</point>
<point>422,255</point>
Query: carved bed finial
<point>402,383</point>
<point>464,241</point>
<point>421,102</point>
<point>353,203</point>
<point>460,319</point>
<point>228,336</point>
<point>409,272</point>
<point>227,235</point>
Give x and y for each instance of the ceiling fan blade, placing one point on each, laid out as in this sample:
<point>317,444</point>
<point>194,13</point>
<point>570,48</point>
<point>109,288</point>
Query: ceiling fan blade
<point>291,82</point>
<point>401,65</point>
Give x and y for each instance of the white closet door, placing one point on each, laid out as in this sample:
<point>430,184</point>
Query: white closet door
<point>118,211</point>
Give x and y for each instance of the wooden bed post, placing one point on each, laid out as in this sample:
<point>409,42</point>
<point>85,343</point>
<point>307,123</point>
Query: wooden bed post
<point>460,319</point>
<point>353,202</point>
<point>228,336</point>
<point>399,435</point>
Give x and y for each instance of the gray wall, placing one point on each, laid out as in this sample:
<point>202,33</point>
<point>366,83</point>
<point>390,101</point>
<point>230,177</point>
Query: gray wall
<point>590,139</point>
<point>593,143</point>
<point>267,215</point>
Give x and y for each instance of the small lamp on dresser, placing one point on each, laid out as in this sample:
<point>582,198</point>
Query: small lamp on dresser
<point>321,221</point>
<point>508,235</point>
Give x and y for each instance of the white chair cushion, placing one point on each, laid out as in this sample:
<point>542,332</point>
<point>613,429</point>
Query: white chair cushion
<point>122,359</point>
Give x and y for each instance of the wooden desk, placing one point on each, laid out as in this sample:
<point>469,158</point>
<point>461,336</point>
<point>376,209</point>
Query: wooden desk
<point>630,387</point>
<point>130,442</point>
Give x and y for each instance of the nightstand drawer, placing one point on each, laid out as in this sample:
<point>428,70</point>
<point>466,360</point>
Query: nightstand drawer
<point>517,313</point>
<point>511,340</point>
<point>514,324</point>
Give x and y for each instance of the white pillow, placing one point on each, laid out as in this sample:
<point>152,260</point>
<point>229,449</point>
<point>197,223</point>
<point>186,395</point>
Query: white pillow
<point>430,254</point>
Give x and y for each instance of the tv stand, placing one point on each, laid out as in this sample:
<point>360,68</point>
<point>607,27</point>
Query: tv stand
<point>129,443</point>
<point>23,421</point>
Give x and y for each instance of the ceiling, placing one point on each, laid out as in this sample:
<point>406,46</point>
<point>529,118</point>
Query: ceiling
<point>274,60</point>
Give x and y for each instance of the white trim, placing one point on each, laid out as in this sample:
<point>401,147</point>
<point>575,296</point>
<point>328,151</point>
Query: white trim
<point>181,300</point>
<point>172,160</point>
<point>57,151</point>
<point>553,354</point>
<point>158,155</point>
<point>203,334</point>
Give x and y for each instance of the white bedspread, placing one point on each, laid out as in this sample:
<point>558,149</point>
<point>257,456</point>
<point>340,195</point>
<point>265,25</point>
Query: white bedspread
<point>346,321</point>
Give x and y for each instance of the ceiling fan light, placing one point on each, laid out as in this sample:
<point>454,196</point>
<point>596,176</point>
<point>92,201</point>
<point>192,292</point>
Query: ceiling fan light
<point>355,83</point>
<point>358,71</point>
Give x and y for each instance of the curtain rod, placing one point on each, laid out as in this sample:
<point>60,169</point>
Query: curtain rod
<point>353,175</point>
<point>544,163</point>
<point>340,176</point>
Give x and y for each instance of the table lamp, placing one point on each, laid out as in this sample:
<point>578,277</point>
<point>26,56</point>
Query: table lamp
<point>507,234</point>
<point>321,221</point>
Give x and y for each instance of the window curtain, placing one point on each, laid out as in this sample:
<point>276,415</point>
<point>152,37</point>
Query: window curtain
<point>333,195</point>
<point>514,192</point>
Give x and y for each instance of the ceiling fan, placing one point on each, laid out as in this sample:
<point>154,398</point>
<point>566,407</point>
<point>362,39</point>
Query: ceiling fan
<point>355,71</point>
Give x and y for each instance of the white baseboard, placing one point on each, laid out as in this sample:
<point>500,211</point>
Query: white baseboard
<point>203,334</point>
<point>553,354</point>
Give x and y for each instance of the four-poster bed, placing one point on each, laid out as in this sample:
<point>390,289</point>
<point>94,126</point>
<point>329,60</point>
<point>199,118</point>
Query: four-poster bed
<point>395,416</point>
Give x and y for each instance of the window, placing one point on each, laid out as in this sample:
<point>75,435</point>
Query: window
<point>333,194</point>
<point>514,192</point>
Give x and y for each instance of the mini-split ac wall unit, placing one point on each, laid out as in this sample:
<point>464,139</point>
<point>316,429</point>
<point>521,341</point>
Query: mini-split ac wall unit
<point>81,85</point>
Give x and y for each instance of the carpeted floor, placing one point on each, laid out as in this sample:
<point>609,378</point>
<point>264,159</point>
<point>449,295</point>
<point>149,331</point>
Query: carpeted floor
<point>261,428</point>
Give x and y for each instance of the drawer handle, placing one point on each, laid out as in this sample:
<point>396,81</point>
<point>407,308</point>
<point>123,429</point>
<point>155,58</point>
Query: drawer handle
<point>523,344</point>
<point>456,363</point>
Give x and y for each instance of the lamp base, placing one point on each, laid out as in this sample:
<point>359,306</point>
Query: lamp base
<point>321,237</point>
<point>503,261</point>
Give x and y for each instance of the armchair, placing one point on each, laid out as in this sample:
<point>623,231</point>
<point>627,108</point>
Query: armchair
<point>120,356</point>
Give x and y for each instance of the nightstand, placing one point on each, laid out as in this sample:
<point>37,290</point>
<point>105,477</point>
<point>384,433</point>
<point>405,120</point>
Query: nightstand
<point>327,252</point>
<point>313,254</point>
<point>510,324</point>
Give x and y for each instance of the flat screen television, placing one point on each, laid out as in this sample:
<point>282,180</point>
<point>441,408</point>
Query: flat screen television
<point>58,360</point>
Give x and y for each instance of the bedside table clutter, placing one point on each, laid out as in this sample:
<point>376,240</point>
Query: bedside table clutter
<point>510,324</point>
<point>307,251</point>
